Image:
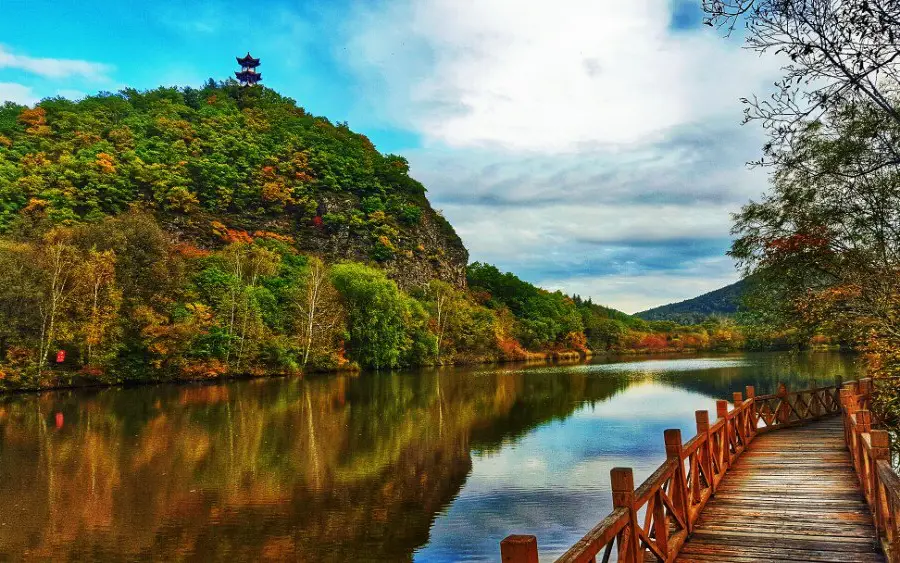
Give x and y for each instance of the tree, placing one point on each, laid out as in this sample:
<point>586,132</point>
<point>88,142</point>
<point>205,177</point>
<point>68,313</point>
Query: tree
<point>57,261</point>
<point>841,53</point>
<point>827,243</point>
<point>247,263</point>
<point>376,312</point>
<point>320,312</point>
<point>443,301</point>
<point>97,302</point>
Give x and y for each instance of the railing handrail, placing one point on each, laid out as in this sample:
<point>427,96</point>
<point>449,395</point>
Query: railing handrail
<point>678,491</point>
<point>870,453</point>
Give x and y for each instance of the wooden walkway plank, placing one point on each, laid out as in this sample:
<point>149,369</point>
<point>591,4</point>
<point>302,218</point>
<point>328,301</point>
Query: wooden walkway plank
<point>792,496</point>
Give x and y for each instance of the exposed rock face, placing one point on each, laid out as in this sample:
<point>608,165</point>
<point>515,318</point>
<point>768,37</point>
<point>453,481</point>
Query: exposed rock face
<point>428,250</point>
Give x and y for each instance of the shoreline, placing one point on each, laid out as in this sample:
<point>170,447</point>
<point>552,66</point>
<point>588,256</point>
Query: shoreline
<point>564,357</point>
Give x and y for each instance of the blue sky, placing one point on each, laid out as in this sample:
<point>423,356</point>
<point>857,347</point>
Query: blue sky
<point>592,146</point>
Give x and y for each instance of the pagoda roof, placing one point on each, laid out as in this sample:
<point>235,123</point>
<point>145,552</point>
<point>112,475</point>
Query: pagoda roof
<point>247,61</point>
<point>248,75</point>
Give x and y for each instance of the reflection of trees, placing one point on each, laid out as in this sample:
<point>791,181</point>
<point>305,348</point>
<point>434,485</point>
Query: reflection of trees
<point>797,371</point>
<point>339,468</point>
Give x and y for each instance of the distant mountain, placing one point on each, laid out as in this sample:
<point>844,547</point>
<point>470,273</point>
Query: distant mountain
<point>723,301</point>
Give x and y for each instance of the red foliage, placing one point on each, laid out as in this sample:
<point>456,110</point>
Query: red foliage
<point>815,241</point>
<point>317,221</point>
<point>511,349</point>
<point>481,297</point>
<point>653,342</point>
<point>200,369</point>
<point>230,235</point>
<point>190,251</point>
<point>92,371</point>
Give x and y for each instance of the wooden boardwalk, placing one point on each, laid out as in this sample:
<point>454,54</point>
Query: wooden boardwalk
<point>792,496</point>
<point>791,476</point>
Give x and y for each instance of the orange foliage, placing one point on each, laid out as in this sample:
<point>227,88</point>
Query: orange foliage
<point>35,121</point>
<point>230,235</point>
<point>35,204</point>
<point>106,163</point>
<point>86,139</point>
<point>653,342</point>
<point>274,236</point>
<point>277,192</point>
<point>577,341</point>
<point>203,369</point>
<point>190,251</point>
<point>92,371</point>
<point>510,349</point>
<point>5,142</point>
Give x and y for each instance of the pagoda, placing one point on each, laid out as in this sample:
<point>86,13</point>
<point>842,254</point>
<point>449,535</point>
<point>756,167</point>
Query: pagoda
<point>248,75</point>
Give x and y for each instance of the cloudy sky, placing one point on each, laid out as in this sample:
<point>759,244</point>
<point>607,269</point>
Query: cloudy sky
<point>592,146</point>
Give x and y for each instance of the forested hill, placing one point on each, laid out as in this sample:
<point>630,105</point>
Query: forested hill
<point>219,161</point>
<point>199,233</point>
<point>721,302</point>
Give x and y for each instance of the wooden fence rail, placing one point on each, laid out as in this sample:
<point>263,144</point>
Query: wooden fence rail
<point>653,521</point>
<point>870,450</point>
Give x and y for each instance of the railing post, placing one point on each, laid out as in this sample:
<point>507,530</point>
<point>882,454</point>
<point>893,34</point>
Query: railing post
<point>863,426</point>
<point>865,386</point>
<point>750,393</point>
<point>739,422</point>
<point>848,406</point>
<point>863,421</point>
<point>623,496</point>
<point>784,410</point>
<point>702,418</point>
<point>674,450</point>
<point>881,449</point>
<point>519,549</point>
<point>722,412</point>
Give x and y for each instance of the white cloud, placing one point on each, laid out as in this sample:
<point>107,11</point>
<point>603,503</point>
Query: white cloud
<point>17,93</point>
<point>570,140</point>
<point>53,68</point>
<point>548,76</point>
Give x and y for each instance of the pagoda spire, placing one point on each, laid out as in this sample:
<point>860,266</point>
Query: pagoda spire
<point>248,75</point>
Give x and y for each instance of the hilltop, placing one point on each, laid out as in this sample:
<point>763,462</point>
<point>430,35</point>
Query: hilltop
<point>223,159</point>
<point>720,302</point>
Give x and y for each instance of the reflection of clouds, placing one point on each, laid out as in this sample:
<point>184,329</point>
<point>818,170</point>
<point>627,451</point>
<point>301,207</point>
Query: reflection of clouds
<point>659,366</point>
<point>555,481</point>
<point>646,367</point>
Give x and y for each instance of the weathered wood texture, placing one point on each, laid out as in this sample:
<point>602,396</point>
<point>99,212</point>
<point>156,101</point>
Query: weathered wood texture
<point>793,496</point>
<point>735,492</point>
<point>870,455</point>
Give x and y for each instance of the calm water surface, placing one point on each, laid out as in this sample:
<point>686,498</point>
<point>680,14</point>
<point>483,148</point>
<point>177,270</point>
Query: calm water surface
<point>436,465</point>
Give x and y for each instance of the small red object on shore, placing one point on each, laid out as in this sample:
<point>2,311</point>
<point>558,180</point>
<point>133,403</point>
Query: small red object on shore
<point>60,356</point>
<point>59,420</point>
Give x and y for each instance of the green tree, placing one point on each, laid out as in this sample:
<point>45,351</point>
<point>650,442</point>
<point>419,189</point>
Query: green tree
<point>376,311</point>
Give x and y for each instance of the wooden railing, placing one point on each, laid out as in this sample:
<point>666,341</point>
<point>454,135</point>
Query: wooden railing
<point>654,520</point>
<point>870,450</point>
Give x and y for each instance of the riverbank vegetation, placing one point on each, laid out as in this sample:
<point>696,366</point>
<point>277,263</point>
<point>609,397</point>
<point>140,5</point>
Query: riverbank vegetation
<point>121,298</point>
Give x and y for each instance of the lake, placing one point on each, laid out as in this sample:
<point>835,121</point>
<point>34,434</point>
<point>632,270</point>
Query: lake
<point>431,465</point>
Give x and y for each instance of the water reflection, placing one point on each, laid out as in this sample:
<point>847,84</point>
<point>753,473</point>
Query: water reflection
<point>434,466</point>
